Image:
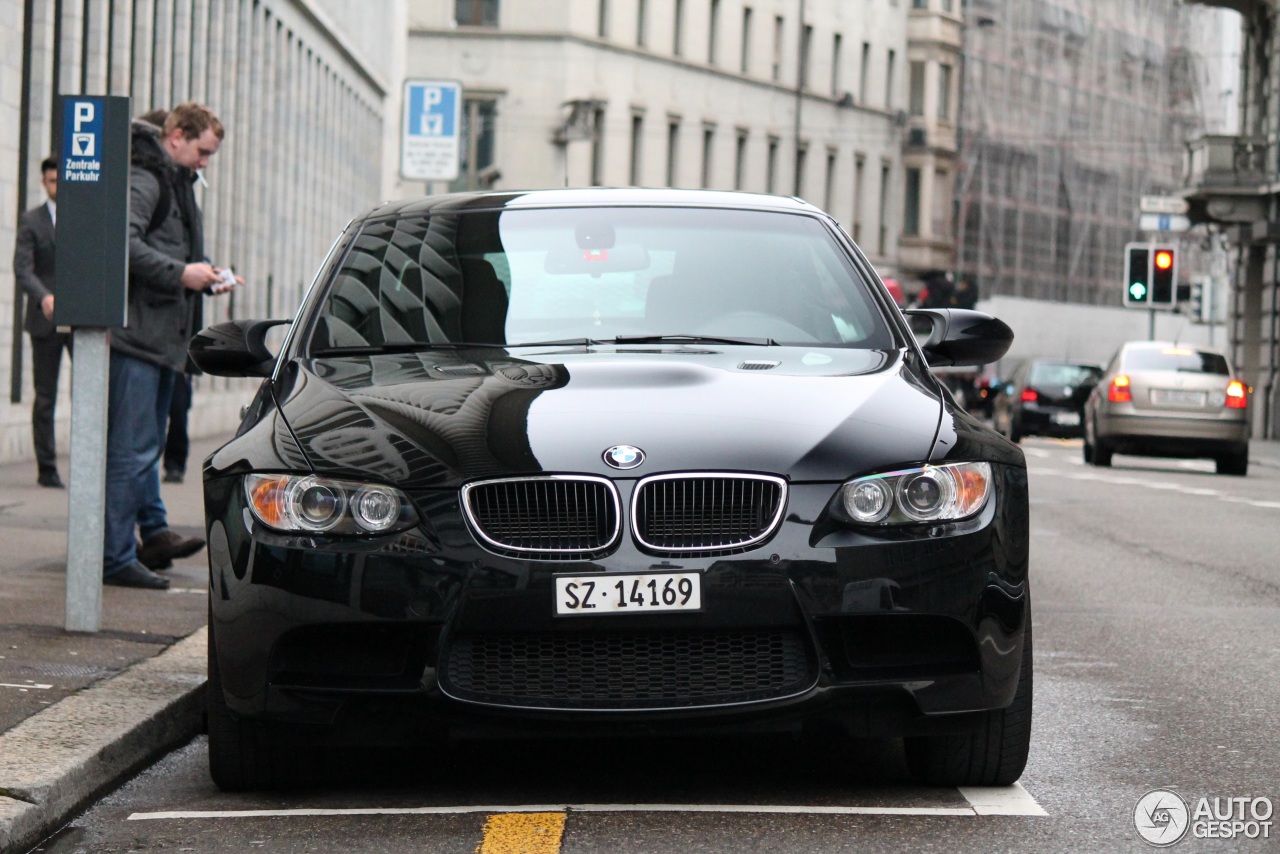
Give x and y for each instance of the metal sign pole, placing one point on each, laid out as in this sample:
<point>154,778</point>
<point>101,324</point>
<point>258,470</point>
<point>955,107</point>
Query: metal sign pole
<point>91,243</point>
<point>87,502</point>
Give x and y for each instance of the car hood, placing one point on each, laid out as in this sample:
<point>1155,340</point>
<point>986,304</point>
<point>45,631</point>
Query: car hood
<point>438,419</point>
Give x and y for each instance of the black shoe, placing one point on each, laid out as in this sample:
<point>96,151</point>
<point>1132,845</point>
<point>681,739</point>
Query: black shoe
<point>172,476</point>
<point>150,561</point>
<point>50,479</point>
<point>163,548</point>
<point>136,575</point>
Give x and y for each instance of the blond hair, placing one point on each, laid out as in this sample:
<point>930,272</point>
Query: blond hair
<point>193,119</point>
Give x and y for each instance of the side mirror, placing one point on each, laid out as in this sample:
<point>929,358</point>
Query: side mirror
<point>236,348</point>
<point>956,337</point>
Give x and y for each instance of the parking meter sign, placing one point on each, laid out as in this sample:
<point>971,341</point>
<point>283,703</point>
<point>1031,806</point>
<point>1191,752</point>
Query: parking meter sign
<point>431,130</point>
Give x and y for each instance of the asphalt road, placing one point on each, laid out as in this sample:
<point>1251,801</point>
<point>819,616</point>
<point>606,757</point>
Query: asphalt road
<point>1156,588</point>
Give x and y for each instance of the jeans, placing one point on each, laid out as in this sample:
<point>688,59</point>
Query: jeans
<point>178,444</point>
<point>137,414</point>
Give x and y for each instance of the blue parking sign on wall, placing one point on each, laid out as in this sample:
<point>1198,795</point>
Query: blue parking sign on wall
<point>429,141</point>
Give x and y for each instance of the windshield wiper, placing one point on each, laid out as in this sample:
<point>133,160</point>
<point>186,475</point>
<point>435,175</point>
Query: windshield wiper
<point>414,347</point>
<point>559,342</point>
<point>694,339</point>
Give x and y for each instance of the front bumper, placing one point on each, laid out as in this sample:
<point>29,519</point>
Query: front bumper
<point>883,632</point>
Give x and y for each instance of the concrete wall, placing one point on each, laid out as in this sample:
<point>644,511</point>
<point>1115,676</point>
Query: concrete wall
<point>302,87</point>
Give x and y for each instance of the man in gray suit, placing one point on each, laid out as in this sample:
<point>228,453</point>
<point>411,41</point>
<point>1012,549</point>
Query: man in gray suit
<point>33,265</point>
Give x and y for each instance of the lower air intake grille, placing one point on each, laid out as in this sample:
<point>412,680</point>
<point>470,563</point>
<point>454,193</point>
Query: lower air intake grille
<point>550,518</point>
<point>641,670</point>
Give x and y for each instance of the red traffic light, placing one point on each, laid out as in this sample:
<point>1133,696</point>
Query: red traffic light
<point>1163,259</point>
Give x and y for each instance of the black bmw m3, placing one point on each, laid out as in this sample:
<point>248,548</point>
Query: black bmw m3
<point>612,461</point>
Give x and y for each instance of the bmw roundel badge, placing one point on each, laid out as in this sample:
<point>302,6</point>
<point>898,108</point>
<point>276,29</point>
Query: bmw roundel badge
<point>624,456</point>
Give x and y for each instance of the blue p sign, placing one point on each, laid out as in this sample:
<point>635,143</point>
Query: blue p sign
<point>432,111</point>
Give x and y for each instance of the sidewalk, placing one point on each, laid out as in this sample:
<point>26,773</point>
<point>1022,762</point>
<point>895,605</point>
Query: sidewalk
<point>79,711</point>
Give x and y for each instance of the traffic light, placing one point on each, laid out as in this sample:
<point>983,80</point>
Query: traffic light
<point>1137,282</point>
<point>1164,276</point>
<point>1151,275</point>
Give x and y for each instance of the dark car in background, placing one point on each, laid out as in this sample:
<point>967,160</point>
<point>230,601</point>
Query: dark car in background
<point>1045,397</point>
<point>612,462</point>
<point>1163,399</point>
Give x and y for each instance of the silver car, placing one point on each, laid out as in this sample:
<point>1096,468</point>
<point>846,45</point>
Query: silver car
<point>1169,400</point>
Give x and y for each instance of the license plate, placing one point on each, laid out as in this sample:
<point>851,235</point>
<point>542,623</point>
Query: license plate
<point>1066,419</point>
<point>1177,397</point>
<point>628,594</point>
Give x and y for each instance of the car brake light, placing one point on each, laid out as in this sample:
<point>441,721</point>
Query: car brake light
<point>1029,395</point>
<point>1237,398</point>
<point>1119,390</point>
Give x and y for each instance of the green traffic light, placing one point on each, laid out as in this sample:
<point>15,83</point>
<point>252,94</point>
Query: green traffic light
<point>1137,291</point>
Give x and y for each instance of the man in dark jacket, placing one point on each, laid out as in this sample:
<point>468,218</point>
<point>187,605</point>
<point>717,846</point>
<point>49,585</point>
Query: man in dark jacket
<point>33,256</point>
<point>167,271</point>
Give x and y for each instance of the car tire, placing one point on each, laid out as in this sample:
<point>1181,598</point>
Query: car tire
<point>1234,464</point>
<point>1101,454</point>
<point>993,755</point>
<point>251,755</point>
<point>1098,453</point>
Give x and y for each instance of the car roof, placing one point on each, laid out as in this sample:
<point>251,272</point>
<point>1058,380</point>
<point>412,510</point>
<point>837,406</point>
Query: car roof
<point>591,197</point>
<point>1161,345</point>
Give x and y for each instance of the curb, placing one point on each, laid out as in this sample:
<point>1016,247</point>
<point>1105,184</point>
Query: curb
<point>56,762</point>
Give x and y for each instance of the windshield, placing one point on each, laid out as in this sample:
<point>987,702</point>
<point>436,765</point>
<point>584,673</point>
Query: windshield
<point>1048,374</point>
<point>518,277</point>
<point>1176,359</point>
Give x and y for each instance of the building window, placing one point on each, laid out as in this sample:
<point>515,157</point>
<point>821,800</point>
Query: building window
<point>828,186</point>
<point>911,204</point>
<point>919,4</point>
<point>837,59</point>
<point>802,165</point>
<point>888,80</point>
<point>859,182</point>
<point>642,23</point>
<point>673,148</point>
<point>864,70</point>
<point>476,13</point>
<point>771,166</point>
<point>944,92</point>
<point>637,147</point>
<point>779,30</point>
<point>602,24</point>
<point>713,32</point>
<point>882,237</point>
<point>677,39</point>
<point>476,164</point>
<point>745,62</point>
<point>806,50</point>
<point>915,95</point>
<point>597,147</point>
<point>708,146</point>
<point>740,159</point>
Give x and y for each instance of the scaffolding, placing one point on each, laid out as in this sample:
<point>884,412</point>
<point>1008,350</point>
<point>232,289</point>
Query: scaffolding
<point>1072,110</point>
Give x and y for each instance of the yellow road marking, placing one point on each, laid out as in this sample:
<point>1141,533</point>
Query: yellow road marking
<point>523,833</point>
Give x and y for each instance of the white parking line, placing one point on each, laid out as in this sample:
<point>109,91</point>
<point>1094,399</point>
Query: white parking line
<point>1001,800</point>
<point>1005,800</point>
<point>25,687</point>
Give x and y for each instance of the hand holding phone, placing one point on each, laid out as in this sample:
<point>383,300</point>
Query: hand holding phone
<point>228,281</point>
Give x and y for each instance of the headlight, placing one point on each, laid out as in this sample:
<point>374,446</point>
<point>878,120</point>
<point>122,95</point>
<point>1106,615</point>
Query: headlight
<point>319,505</point>
<point>926,494</point>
